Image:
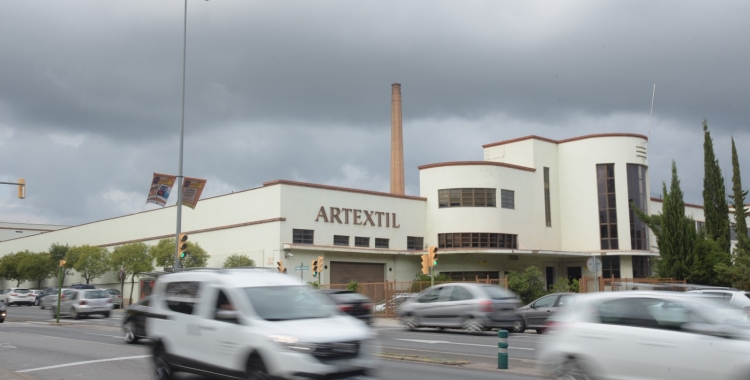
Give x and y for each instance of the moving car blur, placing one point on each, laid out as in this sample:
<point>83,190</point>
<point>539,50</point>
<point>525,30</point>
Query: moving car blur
<point>116,297</point>
<point>648,335</point>
<point>735,297</point>
<point>50,300</point>
<point>352,303</point>
<point>134,321</point>
<point>3,311</point>
<point>84,302</point>
<point>395,301</point>
<point>467,306</point>
<point>535,314</point>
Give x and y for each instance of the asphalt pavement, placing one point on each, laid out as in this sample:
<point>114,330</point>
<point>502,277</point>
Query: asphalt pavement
<point>32,345</point>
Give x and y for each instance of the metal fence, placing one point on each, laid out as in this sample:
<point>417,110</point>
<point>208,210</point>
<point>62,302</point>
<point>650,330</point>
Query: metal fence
<point>612,284</point>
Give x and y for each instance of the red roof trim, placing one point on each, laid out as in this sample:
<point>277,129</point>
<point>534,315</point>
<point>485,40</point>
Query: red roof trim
<point>565,140</point>
<point>468,163</point>
<point>336,188</point>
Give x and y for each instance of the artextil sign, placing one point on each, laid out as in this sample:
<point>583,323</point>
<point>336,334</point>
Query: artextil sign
<point>161,186</point>
<point>191,191</point>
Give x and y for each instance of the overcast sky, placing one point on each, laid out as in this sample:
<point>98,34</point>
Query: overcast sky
<point>90,91</point>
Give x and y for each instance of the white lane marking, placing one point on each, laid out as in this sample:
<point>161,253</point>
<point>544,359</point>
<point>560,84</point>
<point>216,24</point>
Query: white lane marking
<point>82,363</point>
<point>460,344</point>
<point>111,336</point>
<point>459,354</point>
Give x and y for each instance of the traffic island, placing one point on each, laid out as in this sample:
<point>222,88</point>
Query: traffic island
<point>423,359</point>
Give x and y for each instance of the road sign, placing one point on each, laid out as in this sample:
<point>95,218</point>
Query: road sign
<point>302,268</point>
<point>594,264</point>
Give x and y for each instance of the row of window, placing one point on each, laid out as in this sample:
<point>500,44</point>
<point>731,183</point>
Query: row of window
<point>477,240</point>
<point>300,236</point>
<point>360,241</point>
<point>475,198</point>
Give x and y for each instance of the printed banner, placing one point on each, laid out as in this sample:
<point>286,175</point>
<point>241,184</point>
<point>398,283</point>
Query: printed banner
<point>161,186</point>
<point>191,191</point>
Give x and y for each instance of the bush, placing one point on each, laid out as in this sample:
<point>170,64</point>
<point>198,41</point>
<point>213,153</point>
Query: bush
<point>528,285</point>
<point>567,287</point>
<point>314,284</point>
<point>423,281</point>
<point>353,285</point>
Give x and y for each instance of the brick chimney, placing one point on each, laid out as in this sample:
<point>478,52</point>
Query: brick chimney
<point>397,142</point>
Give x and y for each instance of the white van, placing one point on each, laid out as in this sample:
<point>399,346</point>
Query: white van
<point>254,324</point>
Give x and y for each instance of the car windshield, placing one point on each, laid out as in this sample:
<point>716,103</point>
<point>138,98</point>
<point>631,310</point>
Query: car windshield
<point>498,293</point>
<point>21,291</point>
<point>96,294</point>
<point>284,303</point>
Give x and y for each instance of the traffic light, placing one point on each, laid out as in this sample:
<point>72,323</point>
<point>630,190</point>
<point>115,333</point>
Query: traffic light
<point>22,188</point>
<point>315,268</point>
<point>425,264</point>
<point>280,267</point>
<point>433,252</point>
<point>182,245</point>
<point>321,265</point>
<point>62,263</point>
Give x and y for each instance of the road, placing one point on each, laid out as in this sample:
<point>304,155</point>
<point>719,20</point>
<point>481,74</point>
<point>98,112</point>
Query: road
<point>88,348</point>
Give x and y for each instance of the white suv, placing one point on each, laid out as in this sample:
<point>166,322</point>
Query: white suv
<point>254,324</point>
<point>17,296</point>
<point>737,298</point>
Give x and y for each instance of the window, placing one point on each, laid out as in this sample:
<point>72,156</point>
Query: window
<point>302,236</point>
<point>701,225</point>
<point>431,296</point>
<point>641,267</point>
<point>471,276</point>
<point>732,232</point>
<point>381,243</point>
<point>637,195</point>
<point>181,296</point>
<point>547,211</point>
<point>466,198</point>
<point>222,304</point>
<point>414,243</point>
<point>477,240</point>
<point>507,199</point>
<point>605,183</point>
<point>611,266</point>
<point>545,301</point>
<point>340,240</point>
<point>459,293</point>
<point>361,241</point>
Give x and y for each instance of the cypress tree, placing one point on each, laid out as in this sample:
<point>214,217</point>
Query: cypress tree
<point>715,204</point>
<point>738,198</point>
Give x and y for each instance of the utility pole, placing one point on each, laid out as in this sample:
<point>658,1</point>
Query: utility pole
<point>182,143</point>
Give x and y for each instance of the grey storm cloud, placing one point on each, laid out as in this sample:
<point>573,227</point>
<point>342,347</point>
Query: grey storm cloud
<point>90,91</point>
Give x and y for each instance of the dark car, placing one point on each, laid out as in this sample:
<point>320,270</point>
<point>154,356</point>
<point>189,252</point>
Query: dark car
<point>352,303</point>
<point>134,321</point>
<point>3,311</point>
<point>535,314</point>
<point>82,286</point>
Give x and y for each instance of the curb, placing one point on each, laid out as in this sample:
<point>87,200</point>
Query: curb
<point>10,375</point>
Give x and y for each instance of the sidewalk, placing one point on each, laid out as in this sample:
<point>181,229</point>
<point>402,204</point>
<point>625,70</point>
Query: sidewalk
<point>10,375</point>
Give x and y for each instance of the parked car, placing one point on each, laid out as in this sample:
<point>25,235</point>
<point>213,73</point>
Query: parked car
<point>647,335</point>
<point>17,296</point>
<point>395,301</point>
<point>467,306</point>
<point>50,291</point>
<point>735,297</point>
<point>134,320</point>
<point>116,297</point>
<point>535,314</point>
<point>352,303</point>
<point>79,303</point>
<point>50,299</point>
<point>3,311</point>
<point>254,324</point>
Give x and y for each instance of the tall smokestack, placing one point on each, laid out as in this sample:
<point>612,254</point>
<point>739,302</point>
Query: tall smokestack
<point>397,142</point>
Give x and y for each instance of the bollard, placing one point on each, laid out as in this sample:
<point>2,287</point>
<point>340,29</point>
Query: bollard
<point>502,350</point>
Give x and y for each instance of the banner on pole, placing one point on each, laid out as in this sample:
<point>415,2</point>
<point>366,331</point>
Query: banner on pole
<point>161,186</point>
<point>191,191</point>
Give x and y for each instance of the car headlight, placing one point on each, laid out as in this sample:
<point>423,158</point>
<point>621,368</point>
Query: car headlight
<point>292,343</point>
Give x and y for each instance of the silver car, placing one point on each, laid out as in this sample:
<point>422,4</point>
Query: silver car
<point>17,296</point>
<point>50,299</point>
<point>116,297</point>
<point>535,314</point>
<point>78,303</point>
<point>467,306</point>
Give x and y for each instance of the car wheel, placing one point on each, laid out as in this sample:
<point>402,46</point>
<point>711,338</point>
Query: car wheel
<point>410,322</point>
<point>74,314</point>
<point>519,326</point>
<point>36,302</point>
<point>129,333</point>
<point>2,320</point>
<point>161,365</point>
<point>256,370</point>
<point>541,331</point>
<point>472,326</point>
<point>106,314</point>
<point>570,370</point>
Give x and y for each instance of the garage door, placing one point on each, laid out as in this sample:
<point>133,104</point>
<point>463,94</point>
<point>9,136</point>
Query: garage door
<point>370,276</point>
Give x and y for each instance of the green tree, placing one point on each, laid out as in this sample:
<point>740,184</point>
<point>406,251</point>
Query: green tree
<point>92,261</point>
<point>9,267</point>
<point>59,252</point>
<point>738,202</point>
<point>714,195</point>
<point>703,262</point>
<point>132,260</point>
<point>675,233</point>
<point>164,251</point>
<point>37,267</point>
<point>528,285</point>
<point>238,261</point>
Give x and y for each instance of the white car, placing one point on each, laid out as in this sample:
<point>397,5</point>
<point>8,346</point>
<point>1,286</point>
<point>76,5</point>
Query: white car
<point>737,298</point>
<point>648,335</point>
<point>254,324</point>
<point>78,303</point>
<point>394,303</point>
<point>17,296</point>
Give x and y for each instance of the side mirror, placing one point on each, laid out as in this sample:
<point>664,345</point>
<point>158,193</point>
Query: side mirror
<point>230,316</point>
<point>533,306</point>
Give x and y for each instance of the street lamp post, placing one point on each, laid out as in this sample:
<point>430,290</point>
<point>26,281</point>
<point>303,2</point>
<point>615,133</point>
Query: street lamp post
<point>182,143</point>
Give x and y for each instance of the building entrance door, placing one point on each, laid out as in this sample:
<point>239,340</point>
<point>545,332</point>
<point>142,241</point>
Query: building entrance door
<point>550,277</point>
<point>574,273</point>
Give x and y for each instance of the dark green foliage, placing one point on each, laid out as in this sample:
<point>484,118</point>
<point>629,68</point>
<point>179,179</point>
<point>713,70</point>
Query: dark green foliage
<point>703,262</point>
<point>37,267</point>
<point>738,202</point>
<point>528,285</point>
<point>714,195</point>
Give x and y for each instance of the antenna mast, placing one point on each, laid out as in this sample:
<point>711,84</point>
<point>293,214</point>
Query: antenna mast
<point>653,95</point>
